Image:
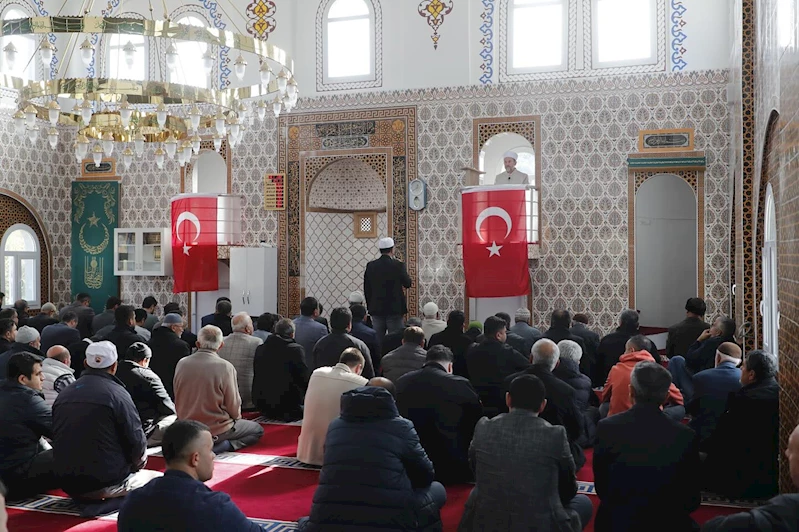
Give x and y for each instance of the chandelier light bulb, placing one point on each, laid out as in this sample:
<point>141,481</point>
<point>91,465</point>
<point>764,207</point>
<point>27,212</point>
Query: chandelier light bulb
<point>127,157</point>
<point>46,52</point>
<point>234,126</point>
<point>171,147</point>
<point>97,154</point>
<point>30,116</point>
<point>172,56</point>
<point>232,140</point>
<point>10,54</point>
<point>129,52</point>
<point>240,67</point>
<point>218,142</point>
<point>125,112</point>
<point>159,157</point>
<point>195,144</point>
<point>260,109</point>
<point>276,104</point>
<point>243,111</point>
<point>266,74</point>
<point>282,81</point>
<point>19,122</point>
<point>291,88</point>
<point>86,52</point>
<point>208,62</point>
<point>52,137</point>
<point>53,112</point>
<point>108,143</point>
<point>194,117</point>
<point>219,122</point>
<point>33,134</point>
<point>160,115</point>
<point>81,147</point>
<point>138,143</point>
<point>86,111</point>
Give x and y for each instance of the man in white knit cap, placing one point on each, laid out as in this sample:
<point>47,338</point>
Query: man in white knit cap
<point>511,176</point>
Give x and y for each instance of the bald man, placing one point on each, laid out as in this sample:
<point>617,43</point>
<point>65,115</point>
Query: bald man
<point>712,387</point>
<point>239,349</point>
<point>57,372</point>
<point>511,176</point>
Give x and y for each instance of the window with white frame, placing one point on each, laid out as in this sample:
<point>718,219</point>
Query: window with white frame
<point>21,257</point>
<point>349,41</point>
<point>119,52</point>
<point>189,68</point>
<point>538,35</point>
<point>25,63</point>
<point>624,32</point>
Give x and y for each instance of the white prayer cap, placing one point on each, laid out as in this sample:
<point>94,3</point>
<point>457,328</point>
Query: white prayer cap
<point>101,355</point>
<point>430,310</point>
<point>26,335</point>
<point>385,243</point>
<point>356,298</point>
<point>512,154</point>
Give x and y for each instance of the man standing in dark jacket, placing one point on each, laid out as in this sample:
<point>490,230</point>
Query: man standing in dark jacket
<point>155,407</point>
<point>590,345</point>
<point>490,362</point>
<point>327,351</point>
<point>123,335</point>
<point>742,452</point>
<point>168,349</point>
<point>444,409</point>
<point>396,491</point>
<point>614,345</point>
<point>365,333</point>
<point>99,446</point>
<point>685,333</point>
<point>107,317</point>
<point>280,376</point>
<point>26,464</point>
<point>701,355</point>
<point>65,333</point>
<point>383,283</point>
<point>82,307</point>
<point>180,500</point>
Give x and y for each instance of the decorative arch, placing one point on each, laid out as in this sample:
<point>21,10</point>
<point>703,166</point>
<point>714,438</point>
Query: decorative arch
<point>334,188</point>
<point>376,13</point>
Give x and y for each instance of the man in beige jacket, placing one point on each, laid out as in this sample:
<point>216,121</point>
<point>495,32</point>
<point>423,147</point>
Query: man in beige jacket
<point>323,403</point>
<point>239,349</point>
<point>206,390</point>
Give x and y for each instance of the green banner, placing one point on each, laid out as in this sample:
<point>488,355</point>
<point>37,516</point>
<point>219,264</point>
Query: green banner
<point>95,214</point>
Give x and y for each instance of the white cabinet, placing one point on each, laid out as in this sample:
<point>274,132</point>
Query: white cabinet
<point>253,280</point>
<point>142,252</point>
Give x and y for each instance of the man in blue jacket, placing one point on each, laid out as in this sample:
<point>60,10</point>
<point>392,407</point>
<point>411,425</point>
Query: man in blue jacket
<point>99,445</point>
<point>701,355</point>
<point>712,389</point>
<point>179,500</point>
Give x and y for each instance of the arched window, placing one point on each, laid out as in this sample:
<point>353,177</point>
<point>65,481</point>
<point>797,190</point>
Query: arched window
<point>538,35</point>
<point>189,69</point>
<point>624,32</point>
<point>769,305</point>
<point>117,65</point>
<point>21,264</point>
<point>25,63</point>
<point>349,41</point>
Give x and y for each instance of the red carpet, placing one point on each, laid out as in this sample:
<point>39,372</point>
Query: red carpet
<point>278,440</point>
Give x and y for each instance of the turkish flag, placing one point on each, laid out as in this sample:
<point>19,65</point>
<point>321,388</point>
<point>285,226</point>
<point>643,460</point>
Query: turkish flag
<point>495,241</point>
<point>194,240</point>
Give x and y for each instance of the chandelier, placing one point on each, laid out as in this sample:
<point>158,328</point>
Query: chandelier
<point>124,115</point>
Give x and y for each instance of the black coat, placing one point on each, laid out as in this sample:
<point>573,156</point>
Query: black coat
<point>328,349</point>
<point>85,318</point>
<point>77,352</point>
<point>781,514</point>
<point>219,320</point>
<point>683,334</point>
<point>59,334</point>
<point>167,350</point>
<point>280,378</point>
<point>569,372</point>
<point>518,343</point>
<point>15,348</point>
<point>702,355</point>
<point>367,335</point>
<point>123,337</point>
<point>351,497</point>
<point>391,341</point>
<point>40,321</point>
<point>561,407</point>
<point>458,343</point>
<point>24,418</point>
<point>590,345</point>
<point>148,394</point>
<point>488,364</point>
<point>444,409</point>
<point>743,450</point>
<point>558,334</point>
<point>646,472</point>
<point>5,345</point>
<point>611,348</point>
<point>383,282</point>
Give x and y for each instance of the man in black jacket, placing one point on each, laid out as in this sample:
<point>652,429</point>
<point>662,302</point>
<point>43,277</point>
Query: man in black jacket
<point>108,316</point>
<point>8,334</point>
<point>364,332</point>
<point>155,407</point>
<point>456,340</point>
<point>559,324</point>
<point>82,307</point>
<point>393,341</point>
<point>221,318</point>
<point>26,465</point>
<point>444,409</point>
<point>280,376</point>
<point>490,362</point>
<point>26,341</point>
<point>561,407</point>
<point>65,333</point>
<point>646,464</point>
<point>514,340</point>
<point>383,283</point>
<point>123,335</point>
<point>613,345</point>
<point>99,446</point>
<point>590,345</point>
<point>45,317</point>
<point>168,349</point>
<point>328,350</point>
<point>742,452</point>
<point>701,355</point>
<point>685,333</point>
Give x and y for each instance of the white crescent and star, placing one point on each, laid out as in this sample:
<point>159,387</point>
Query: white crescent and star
<point>486,214</point>
<point>191,217</point>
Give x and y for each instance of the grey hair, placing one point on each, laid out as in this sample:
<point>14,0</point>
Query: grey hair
<point>570,350</point>
<point>241,322</point>
<point>763,363</point>
<point>210,337</point>
<point>650,382</point>
<point>546,353</point>
<point>285,328</point>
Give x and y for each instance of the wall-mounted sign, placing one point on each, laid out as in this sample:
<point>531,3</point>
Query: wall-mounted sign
<point>666,140</point>
<point>107,168</point>
<point>275,192</point>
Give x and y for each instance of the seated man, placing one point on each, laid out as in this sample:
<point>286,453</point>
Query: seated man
<point>682,335</point>
<point>444,409</point>
<point>392,341</point>
<point>781,514</point>
<point>561,406</point>
<point>490,362</point>
<point>591,344</point>
<point>220,318</point>
<point>57,373</point>
<point>524,470</point>
<point>397,489</point>
<point>522,327</point>
<point>363,332</point>
<point>239,349</point>
<point>280,376</point>
<point>150,306</point>
<point>168,349</point>
<point>99,446</point>
<point>646,464</point>
<point>45,317</point>
<point>26,341</point>
<point>264,325</point>
<point>432,322</point>
<point>410,356</point>
<point>701,355</point>
<point>206,390</point>
<point>8,334</point>
<point>568,370</point>
<point>123,334</point>
<point>323,403</point>
<point>83,309</point>
<point>179,500</point>
<point>456,340</point>
<point>108,316</point>
<point>64,333</point>
<point>308,331</point>
<point>327,351</point>
<point>742,451</point>
<point>712,388</point>
<point>612,346</point>
<point>155,407</point>
<point>560,328</point>
<point>615,395</point>
<point>512,339</point>
<point>26,463</point>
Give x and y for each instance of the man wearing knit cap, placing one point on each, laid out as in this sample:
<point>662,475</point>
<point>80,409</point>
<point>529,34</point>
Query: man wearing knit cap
<point>523,328</point>
<point>432,322</point>
<point>383,284</point>
<point>511,176</point>
<point>27,341</point>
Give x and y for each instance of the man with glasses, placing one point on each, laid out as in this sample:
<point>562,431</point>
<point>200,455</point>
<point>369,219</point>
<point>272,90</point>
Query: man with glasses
<point>712,388</point>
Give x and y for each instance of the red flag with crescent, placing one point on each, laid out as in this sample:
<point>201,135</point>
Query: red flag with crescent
<point>194,241</point>
<point>495,241</point>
